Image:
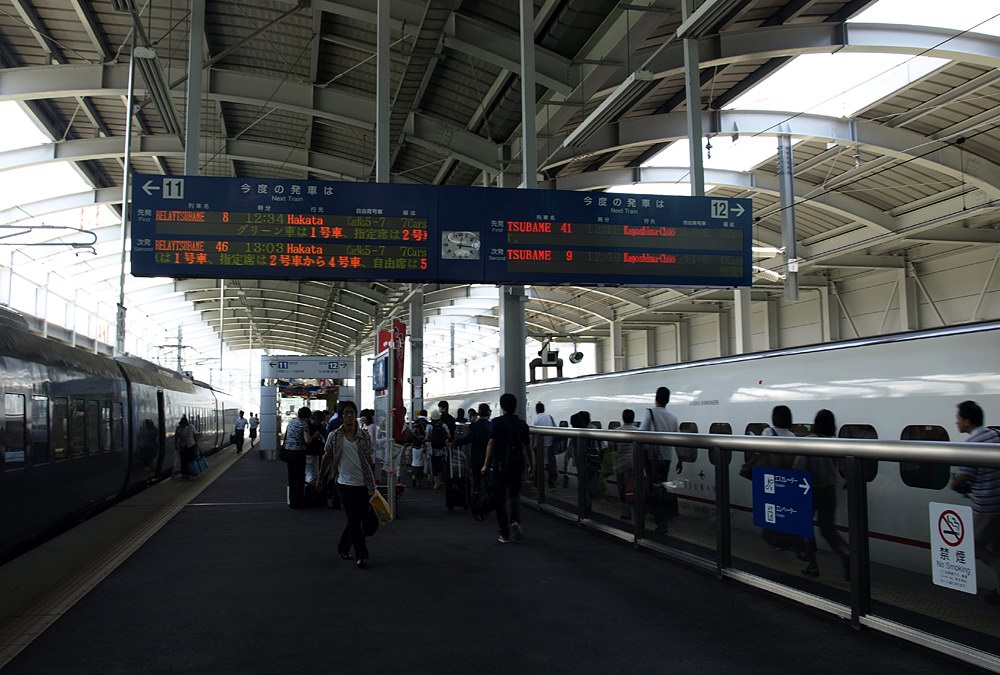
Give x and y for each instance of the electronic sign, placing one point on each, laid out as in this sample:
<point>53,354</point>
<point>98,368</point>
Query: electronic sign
<point>261,228</point>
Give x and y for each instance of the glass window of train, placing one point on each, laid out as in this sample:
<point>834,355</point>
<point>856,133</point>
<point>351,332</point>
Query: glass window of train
<point>718,428</point>
<point>60,428</point>
<point>687,454</point>
<point>14,430</point>
<point>93,426</point>
<point>118,427</point>
<point>801,430</point>
<point>869,467</point>
<point>753,429</point>
<point>614,424</point>
<point>40,430</point>
<point>105,435</point>
<point>78,428</point>
<point>929,475</point>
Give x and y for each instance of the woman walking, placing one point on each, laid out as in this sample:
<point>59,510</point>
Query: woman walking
<point>348,463</point>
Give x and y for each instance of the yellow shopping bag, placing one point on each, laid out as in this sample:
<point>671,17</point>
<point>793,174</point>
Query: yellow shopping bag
<point>381,507</point>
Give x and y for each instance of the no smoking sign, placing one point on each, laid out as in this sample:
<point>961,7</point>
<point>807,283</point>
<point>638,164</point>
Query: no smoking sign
<point>953,554</point>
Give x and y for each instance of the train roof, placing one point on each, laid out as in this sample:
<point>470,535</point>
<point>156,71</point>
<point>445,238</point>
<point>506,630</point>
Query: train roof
<point>20,343</point>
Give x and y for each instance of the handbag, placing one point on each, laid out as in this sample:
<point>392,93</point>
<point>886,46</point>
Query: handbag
<point>746,471</point>
<point>381,507</point>
<point>202,463</point>
<point>369,521</point>
<point>283,453</point>
<point>232,438</point>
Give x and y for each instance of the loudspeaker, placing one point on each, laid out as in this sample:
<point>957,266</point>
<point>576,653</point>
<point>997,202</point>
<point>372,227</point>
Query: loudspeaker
<point>576,357</point>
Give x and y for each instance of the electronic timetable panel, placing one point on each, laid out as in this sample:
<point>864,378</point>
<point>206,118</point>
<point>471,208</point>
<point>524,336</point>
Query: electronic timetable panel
<point>261,228</point>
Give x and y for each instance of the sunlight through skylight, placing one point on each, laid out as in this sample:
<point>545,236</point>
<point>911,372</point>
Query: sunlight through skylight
<point>742,154</point>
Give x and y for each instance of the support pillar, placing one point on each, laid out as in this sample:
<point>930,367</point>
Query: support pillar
<point>617,347</point>
<point>786,190</point>
<point>382,101</point>
<point>682,340</point>
<point>744,324</point>
<point>723,318</point>
<point>692,88</point>
<point>512,300</point>
<point>192,122</point>
<point>416,351</point>
<point>909,312</point>
<point>771,324</point>
<point>529,147</point>
<point>650,347</point>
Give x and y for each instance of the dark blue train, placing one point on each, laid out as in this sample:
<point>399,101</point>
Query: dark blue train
<point>81,431</point>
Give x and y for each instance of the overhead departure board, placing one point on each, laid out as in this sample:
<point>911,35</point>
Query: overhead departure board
<point>259,228</point>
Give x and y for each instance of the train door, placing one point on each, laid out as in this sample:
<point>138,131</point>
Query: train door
<point>161,419</point>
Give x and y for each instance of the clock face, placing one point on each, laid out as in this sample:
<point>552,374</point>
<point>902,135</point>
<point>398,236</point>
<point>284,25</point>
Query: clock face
<point>460,245</point>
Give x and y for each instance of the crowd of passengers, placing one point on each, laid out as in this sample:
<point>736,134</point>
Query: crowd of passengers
<point>440,446</point>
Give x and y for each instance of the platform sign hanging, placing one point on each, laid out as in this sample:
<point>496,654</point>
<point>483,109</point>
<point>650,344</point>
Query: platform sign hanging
<point>254,228</point>
<point>953,548</point>
<point>783,500</point>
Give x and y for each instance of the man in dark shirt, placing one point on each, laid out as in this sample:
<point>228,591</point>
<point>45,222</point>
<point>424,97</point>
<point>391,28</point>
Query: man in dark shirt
<point>505,458</point>
<point>447,418</point>
<point>477,439</point>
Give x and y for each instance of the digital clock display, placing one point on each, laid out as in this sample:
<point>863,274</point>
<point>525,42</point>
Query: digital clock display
<point>235,228</point>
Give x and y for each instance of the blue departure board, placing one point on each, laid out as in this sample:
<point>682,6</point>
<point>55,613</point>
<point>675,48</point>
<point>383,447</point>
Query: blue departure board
<point>251,228</point>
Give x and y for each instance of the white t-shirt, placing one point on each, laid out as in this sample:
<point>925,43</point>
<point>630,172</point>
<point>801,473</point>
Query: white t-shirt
<point>545,420</point>
<point>350,471</point>
<point>658,419</point>
<point>241,423</point>
<point>417,458</point>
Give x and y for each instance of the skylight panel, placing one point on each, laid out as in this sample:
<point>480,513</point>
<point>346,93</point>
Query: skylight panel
<point>837,85</point>
<point>743,154</point>
<point>18,129</point>
<point>976,16</point>
<point>34,183</point>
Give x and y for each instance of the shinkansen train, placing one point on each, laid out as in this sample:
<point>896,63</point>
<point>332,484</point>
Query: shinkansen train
<point>903,386</point>
<point>81,431</point>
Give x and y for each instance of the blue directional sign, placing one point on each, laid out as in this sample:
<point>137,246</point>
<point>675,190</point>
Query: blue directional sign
<point>236,228</point>
<point>783,500</point>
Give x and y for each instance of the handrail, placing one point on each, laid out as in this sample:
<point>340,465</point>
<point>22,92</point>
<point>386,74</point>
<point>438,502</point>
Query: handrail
<point>954,454</point>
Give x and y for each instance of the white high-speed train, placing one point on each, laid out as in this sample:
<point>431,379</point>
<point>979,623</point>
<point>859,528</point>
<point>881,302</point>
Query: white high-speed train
<point>901,386</point>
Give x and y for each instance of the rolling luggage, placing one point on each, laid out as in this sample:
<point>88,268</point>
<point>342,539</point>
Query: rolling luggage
<point>456,483</point>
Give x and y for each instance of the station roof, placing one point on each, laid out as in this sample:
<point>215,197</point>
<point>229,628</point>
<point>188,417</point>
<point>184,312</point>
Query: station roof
<point>289,92</point>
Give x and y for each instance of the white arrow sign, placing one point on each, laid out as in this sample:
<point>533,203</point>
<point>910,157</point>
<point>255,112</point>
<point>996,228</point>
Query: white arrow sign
<point>148,187</point>
<point>805,486</point>
<point>738,209</point>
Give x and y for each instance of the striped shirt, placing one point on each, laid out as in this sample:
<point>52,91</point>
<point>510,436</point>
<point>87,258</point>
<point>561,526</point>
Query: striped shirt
<point>985,481</point>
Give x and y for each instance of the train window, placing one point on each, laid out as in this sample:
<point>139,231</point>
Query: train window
<point>39,430</point>
<point>93,426</point>
<point>801,429</point>
<point>595,425</point>
<point>614,424</point>
<point>105,426</point>
<point>718,428</point>
<point>118,427</point>
<point>869,467</point>
<point>929,475</point>
<point>687,454</point>
<point>60,428</point>
<point>78,428</point>
<point>753,429</point>
<point>14,427</point>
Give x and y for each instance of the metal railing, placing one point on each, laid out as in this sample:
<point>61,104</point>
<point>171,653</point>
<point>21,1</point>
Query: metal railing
<point>854,452</point>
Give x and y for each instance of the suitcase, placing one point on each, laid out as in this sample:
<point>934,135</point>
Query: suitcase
<point>456,483</point>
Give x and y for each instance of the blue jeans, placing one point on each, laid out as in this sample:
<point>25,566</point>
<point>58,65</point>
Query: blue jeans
<point>511,487</point>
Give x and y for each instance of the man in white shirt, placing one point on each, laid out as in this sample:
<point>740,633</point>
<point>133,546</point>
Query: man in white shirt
<point>659,458</point>
<point>240,429</point>
<point>544,419</point>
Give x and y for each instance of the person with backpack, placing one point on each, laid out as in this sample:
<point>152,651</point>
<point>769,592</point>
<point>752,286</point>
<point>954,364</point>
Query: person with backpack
<point>440,438</point>
<point>982,485</point>
<point>504,464</point>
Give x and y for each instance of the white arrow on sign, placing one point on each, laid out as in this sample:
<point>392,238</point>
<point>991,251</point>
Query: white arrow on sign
<point>805,486</point>
<point>148,187</point>
<point>740,211</point>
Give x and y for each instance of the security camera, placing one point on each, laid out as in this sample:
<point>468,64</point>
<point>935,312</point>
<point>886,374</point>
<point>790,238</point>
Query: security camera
<point>576,357</point>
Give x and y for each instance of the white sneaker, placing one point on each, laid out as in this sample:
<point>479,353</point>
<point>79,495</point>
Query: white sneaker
<point>515,529</point>
<point>502,540</point>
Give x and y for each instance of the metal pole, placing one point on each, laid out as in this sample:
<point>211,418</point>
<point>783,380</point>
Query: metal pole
<point>222,318</point>
<point>529,149</point>
<point>857,518</point>
<point>126,184</point>
<point>192,127</point>
<point>786,190</point>
<point>382,94</point>
<point>723,535</point>
<point>692,87</point>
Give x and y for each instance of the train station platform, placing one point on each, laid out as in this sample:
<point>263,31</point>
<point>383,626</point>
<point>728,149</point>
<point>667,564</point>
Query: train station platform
<point>217,575</point>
